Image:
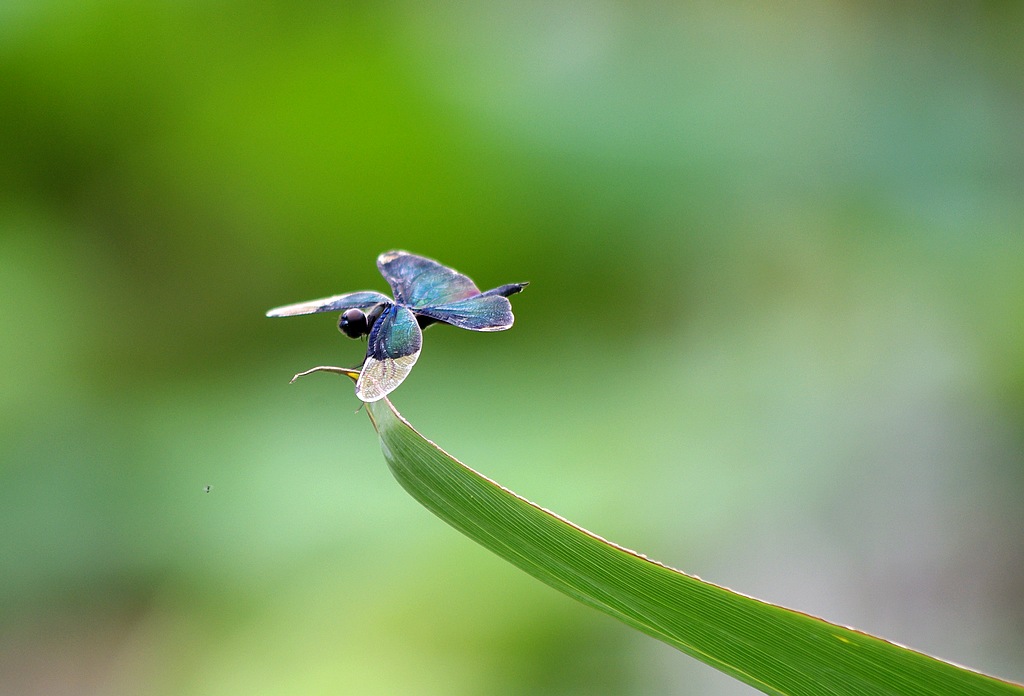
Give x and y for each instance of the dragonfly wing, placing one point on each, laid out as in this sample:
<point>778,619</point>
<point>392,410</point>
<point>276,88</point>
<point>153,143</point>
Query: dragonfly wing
<point>480,313</point>
<point>393,348</point>
<point>352,300</point>
<point>421,282</point>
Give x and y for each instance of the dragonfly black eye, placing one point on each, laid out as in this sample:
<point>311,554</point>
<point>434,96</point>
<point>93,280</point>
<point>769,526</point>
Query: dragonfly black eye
<point>353,323</point>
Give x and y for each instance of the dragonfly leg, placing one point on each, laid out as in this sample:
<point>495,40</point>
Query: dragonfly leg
<point>347,371</point>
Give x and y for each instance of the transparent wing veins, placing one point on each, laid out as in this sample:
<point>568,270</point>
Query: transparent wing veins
<point>352,300</point>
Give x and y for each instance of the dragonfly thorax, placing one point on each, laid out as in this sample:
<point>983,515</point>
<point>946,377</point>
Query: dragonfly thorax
<point>355,323</point>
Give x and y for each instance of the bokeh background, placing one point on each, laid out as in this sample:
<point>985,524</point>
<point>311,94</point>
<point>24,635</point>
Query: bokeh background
<point>774,335</point>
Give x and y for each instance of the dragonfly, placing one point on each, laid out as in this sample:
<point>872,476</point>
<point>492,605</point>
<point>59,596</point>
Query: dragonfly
<point>425,293</point>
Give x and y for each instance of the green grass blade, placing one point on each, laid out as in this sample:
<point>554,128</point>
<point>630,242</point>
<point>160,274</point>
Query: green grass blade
<point>774,649</point>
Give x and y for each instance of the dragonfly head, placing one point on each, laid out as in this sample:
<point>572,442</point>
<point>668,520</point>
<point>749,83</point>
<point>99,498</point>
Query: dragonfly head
<point>355,323</point>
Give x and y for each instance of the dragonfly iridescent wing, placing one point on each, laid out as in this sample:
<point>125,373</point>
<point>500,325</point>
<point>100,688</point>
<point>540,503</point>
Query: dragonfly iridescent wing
<point>353,300</point>
<point>489,311</point>
<point>421,282</point>
<point>392,350</point>
<point>476,314</point>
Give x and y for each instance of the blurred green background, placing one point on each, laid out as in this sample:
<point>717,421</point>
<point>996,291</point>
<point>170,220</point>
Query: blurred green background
<point>774,335</point>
